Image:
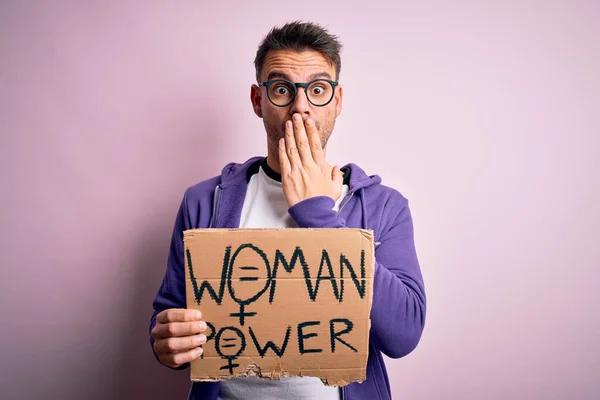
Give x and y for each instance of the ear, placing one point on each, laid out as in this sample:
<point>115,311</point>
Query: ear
<point>338,100</point>
<point>256,98</point>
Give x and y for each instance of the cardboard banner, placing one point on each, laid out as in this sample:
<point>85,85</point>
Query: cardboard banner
<point>281,302</point>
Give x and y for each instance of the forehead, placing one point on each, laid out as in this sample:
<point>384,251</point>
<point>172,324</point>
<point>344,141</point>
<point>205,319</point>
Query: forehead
<point>297,65</point>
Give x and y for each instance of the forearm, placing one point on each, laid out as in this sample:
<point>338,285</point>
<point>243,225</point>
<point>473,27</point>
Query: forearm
<point>316,212</point>
<point>397,313</point>
<point>171,293</point>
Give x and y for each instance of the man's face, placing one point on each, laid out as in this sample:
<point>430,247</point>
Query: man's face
<point>296,67</point>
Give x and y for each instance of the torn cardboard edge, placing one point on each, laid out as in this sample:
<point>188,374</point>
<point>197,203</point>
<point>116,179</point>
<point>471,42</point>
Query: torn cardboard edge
<point>254,371</point>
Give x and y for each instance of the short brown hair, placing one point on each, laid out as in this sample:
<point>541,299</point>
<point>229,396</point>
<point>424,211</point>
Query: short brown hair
<point>300,36</point>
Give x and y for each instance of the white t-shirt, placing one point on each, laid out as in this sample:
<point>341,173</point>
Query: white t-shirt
<point>265,207</point>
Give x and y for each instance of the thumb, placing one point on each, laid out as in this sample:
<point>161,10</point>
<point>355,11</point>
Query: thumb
<point>337,176</point>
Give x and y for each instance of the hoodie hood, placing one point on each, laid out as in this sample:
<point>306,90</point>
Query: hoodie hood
<point>236,173</point>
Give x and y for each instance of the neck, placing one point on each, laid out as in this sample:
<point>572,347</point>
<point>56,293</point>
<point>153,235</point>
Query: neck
<point>273,159</point>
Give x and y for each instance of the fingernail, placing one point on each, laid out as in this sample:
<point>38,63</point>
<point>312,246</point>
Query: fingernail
<point>297,117</point>
<point>197,352</point>
<point>288,124</point>
<point>197,314</point>
<point>203,326</point>
<point>202,339</point>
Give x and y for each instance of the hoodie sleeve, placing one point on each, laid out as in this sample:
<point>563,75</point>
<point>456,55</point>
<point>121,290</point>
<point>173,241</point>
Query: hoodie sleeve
<point>172,290</point>
<point>316,212</point>
<point>399,302</point>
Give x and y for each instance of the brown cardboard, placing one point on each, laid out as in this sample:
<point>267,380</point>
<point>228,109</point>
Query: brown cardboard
<point>327,337</point>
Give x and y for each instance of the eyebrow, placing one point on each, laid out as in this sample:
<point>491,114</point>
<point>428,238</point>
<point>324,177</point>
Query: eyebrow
<point>277,74</point>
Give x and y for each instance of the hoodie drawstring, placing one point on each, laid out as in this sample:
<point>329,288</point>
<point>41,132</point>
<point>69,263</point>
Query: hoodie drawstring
<point>363,206</point>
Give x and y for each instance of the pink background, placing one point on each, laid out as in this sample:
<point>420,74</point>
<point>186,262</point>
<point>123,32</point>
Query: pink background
<point>486,116</point>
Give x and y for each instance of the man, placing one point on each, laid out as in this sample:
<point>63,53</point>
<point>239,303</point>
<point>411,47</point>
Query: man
<point>298,97</point>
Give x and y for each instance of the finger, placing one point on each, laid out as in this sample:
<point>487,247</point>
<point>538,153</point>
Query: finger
<point>316,149</point>
<point>301,140</point>
<point>290,146</point>
<point>178,329</point>
<point>177,359</point>
<point>284,162</point>
<point>178,344</point>
<point>178,315</point>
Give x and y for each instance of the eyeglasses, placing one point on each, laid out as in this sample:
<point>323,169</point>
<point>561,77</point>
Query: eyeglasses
<point>282,92</point>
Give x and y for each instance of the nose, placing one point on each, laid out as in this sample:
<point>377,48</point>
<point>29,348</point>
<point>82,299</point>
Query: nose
<point>300,104</point>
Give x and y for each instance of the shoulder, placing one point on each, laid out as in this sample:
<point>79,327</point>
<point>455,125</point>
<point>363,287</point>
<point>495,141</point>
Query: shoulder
<point>197,203</point>
<point>387,198</point>
<point>387,208</point>
<point>201,190</point>
<point>372,187</point>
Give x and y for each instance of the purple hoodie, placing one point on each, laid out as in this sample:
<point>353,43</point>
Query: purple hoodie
<point>398,310</point>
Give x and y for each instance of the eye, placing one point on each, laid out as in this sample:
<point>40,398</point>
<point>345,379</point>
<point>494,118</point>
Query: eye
<point>317,90</point>
<point>281,90</point>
